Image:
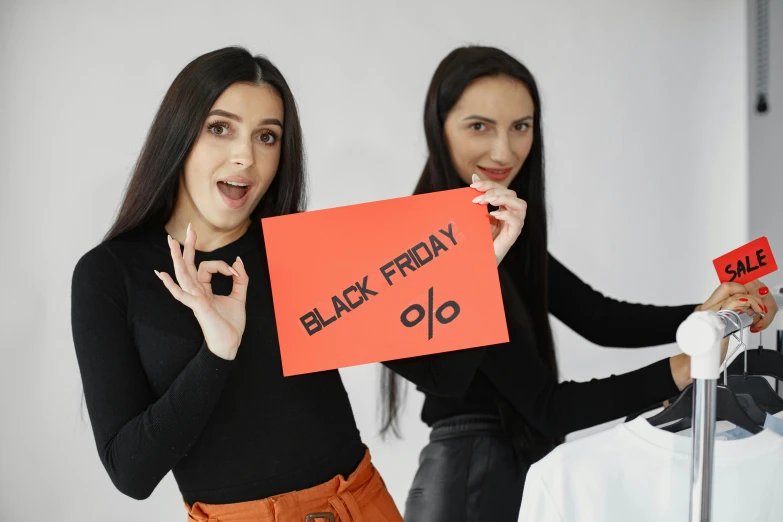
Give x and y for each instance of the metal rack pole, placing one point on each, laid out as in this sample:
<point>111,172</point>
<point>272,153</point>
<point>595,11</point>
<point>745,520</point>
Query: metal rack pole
<point>699,336</point>
<point>703,448</point>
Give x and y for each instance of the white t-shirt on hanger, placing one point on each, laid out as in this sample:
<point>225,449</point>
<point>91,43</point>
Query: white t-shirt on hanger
<point>636,472</point>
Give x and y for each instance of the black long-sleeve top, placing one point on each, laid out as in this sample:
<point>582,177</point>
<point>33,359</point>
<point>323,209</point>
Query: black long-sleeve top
<point>160,401</point>
<point>471,381</point>
<point>233,431</point>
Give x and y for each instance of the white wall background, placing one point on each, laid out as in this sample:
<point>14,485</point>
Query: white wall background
<point>646,121</point>
<point>766,138</point>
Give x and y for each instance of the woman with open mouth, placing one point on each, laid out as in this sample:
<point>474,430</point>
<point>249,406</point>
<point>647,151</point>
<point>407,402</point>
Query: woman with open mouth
<point>173,319</point>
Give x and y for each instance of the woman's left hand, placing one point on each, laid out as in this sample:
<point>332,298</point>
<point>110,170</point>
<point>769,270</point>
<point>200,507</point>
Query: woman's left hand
<point>506,222</point>
<point>753,295</point>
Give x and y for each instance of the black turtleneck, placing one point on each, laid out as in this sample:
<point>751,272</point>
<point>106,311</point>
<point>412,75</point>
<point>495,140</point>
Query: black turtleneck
<point>473,381</point>
<point>160,401</point>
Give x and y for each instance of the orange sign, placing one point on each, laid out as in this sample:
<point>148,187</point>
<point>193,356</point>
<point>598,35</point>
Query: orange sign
<point>384,280</point>
<point>747,263</point>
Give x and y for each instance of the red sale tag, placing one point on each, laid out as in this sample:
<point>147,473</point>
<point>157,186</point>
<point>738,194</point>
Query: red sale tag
<point>747,263</point>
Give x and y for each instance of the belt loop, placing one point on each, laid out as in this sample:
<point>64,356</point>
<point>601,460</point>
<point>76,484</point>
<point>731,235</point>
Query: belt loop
<point>196,513</point>
<point>346,507</point>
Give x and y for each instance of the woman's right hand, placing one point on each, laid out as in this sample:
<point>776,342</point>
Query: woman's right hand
<point>732,296</point>
<point>222,318</point>
<point>505,223</point>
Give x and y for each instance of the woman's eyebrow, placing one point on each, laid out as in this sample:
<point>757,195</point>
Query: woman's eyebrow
<point>232,116</point>
<point>480,118</point>
<point>493,122</point>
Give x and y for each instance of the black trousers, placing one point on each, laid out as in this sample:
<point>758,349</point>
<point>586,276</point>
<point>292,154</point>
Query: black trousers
<point>468,472</point>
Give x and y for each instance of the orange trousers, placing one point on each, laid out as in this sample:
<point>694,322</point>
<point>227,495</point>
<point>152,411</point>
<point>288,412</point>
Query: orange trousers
<point>362,497</point>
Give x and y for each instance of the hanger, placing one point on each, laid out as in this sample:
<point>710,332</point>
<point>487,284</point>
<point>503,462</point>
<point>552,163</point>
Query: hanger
<point>768,363</point>
<point>747,403</point>
<point>739,409</point>
<point>744,376</point>
<point>757,388</point>
<point>753,383</point>
<point>754,387</point>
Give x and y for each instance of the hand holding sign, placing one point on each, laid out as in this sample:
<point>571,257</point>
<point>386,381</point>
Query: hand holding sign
<point>732,296</point>
<point>506,223</point>
<point>751,298</point>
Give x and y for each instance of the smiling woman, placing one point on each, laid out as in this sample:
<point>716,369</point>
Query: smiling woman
<point>496,148</point>
<point>505,407</point>
<point>185,375</point>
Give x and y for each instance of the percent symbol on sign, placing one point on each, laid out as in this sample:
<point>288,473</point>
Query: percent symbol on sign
<point>420,313</point>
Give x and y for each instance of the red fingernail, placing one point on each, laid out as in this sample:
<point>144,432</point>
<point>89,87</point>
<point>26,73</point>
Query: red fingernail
<point>753,331</point>
<point>743,299</point>
<point>763,290</point>
<point>766,310</point>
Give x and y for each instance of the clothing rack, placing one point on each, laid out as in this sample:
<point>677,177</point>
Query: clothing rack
<point>777,325</point>
<point>700,337</point>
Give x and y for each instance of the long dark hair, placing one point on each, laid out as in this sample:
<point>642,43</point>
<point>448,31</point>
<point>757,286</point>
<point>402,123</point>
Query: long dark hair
<point>461,67</point>
<point>152,189</point>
